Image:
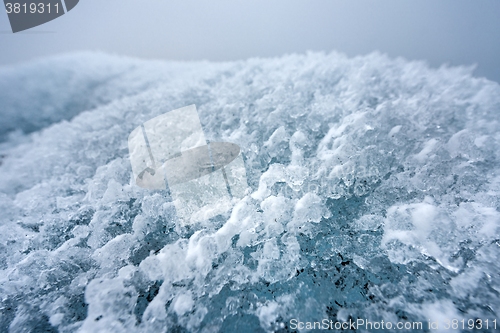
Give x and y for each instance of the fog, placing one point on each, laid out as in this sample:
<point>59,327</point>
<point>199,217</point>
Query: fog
<point>444,32</point>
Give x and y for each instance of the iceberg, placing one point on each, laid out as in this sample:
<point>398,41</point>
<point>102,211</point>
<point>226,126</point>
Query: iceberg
<point>374,195</point>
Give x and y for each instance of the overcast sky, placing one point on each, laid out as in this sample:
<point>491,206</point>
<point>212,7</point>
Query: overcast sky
<point>455,32</point>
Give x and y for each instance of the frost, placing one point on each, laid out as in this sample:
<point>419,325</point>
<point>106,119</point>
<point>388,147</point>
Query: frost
<point>374,193</point>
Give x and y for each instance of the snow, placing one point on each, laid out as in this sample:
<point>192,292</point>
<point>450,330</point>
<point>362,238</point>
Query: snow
<point>374,193</point>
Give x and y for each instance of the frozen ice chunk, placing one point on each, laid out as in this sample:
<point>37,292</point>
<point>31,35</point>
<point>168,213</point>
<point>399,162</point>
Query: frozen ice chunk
<point>183,304</point>
<point>305,186</point>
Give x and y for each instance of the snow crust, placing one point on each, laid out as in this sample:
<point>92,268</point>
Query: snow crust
<point>375,193</point>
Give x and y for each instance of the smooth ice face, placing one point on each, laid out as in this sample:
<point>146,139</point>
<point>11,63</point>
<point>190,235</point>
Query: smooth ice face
<point>373,193</point>
<point>170,152</point>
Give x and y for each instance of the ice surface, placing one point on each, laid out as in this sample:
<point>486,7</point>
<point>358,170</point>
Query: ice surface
<point>375,193</point>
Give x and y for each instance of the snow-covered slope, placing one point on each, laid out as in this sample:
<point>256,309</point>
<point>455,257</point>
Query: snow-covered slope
<point>375,194</point>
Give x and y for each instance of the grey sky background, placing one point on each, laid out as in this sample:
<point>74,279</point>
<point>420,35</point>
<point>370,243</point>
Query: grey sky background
<point>455,32</point>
